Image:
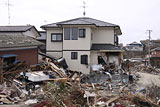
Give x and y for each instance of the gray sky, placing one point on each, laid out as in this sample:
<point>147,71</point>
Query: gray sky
<point>133,16</point>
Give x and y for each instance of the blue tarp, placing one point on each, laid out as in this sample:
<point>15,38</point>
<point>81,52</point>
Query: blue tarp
<point>8,55</point>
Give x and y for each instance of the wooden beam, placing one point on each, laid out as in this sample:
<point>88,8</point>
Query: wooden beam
<point>119,58</point>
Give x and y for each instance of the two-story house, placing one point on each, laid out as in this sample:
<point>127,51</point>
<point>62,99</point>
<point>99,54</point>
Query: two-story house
<point>83,42</point>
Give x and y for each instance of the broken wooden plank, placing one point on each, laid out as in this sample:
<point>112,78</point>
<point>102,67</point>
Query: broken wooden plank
<point>11,72</point>
<point>112,99</point>
<point>57,70</point>
<point>15,67</point>
<point>3,96</point>
<point>62,80</point>
<point>5,100</point>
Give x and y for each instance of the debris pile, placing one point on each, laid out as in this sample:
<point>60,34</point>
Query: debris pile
<point>50,84</point>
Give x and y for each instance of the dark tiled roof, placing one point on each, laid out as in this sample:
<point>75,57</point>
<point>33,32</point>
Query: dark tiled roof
<point>9,41</point>
<point>42,35</point>
<point>84,21</point>
<point>144,42</point>
<point>135,43</point>
<point>156,49</point>
<point>105,47</point>
<point>7,55</point>
<point>15,28</point>
<point>81,21</point>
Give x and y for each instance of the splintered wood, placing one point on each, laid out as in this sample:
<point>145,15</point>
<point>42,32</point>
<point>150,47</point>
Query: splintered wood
<point>57,70</point>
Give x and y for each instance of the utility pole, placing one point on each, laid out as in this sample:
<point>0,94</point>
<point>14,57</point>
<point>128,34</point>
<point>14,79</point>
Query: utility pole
<point>149,33</point>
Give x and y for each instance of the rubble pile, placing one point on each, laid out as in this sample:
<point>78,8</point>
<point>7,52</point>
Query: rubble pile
<point>12,71</point>
<point>50,84</point>
<point>139,67</point>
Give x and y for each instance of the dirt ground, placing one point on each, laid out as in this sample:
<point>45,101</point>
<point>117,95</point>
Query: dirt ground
<point>148,79</point>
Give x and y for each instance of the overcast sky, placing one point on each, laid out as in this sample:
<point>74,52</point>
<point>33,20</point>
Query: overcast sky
<point>133,16</point>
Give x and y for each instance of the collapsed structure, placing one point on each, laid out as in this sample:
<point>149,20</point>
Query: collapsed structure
<point>49,84</point>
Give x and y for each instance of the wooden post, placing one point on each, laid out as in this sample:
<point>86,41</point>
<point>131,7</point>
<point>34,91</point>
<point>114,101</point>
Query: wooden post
<point>119,58</point>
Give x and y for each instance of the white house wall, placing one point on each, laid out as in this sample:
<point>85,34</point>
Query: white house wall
<point>75,65</point>
<point>53,48</point>
<point>32,33</point>
<point>55,54</point>
<point>103,35</point>
<point>94,58</point>
<point>80,44</point>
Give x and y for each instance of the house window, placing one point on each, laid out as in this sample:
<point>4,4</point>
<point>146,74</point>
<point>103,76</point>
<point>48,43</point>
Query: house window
<point>56,37</point>
<point>82,33</point>
<point>66,33</point>
<point>115,39</point>
<point>9,60</point>
<point>74,55</point>
<point>74,33</point>
<point>84,59</point>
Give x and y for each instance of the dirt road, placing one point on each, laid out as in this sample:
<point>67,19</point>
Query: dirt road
<point>148,79</point>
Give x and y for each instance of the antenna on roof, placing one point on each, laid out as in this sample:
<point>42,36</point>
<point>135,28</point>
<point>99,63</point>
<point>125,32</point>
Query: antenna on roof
<point>8,4</point>
<point>84,7</point>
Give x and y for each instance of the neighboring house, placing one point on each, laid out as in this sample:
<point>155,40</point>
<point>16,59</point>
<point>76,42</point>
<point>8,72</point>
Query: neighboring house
<point>20,40</point>
<point>134,46</point>
<point>155,57</point>
<point>83,42</point>
<point>27,30</point>
<point>155,52</point>
<point>25,47</point>
<point>42,39</point>
<point>153,44</point>
<point>133,51</point>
